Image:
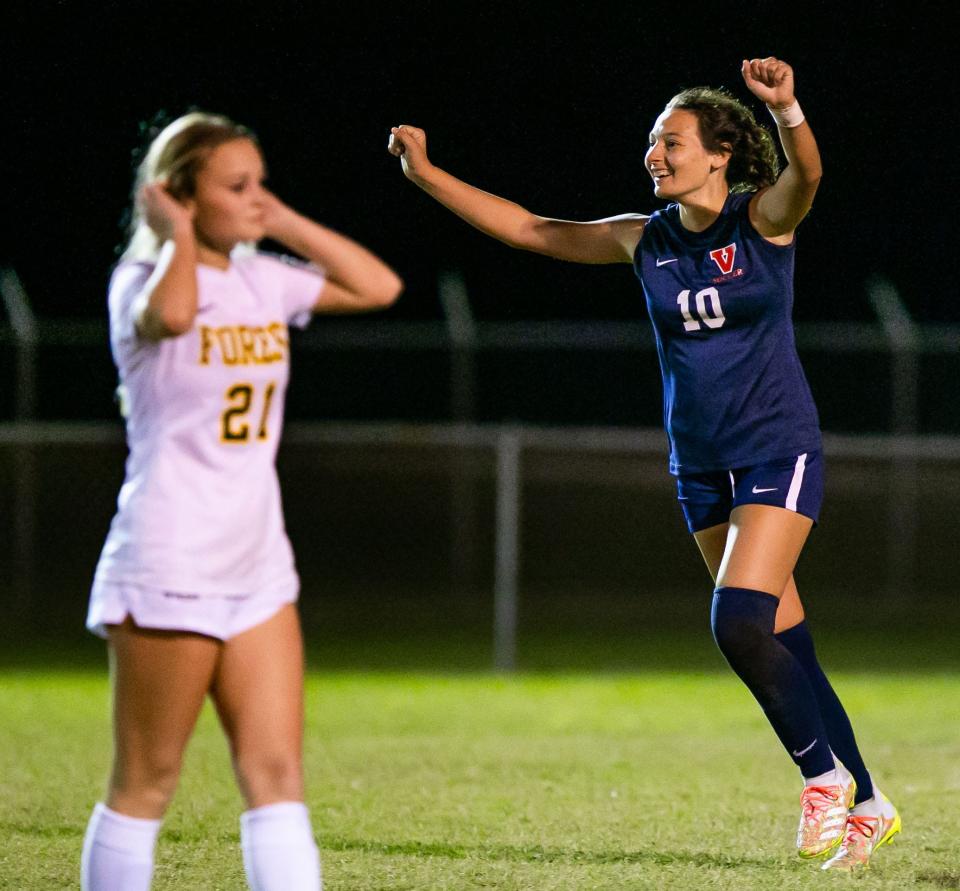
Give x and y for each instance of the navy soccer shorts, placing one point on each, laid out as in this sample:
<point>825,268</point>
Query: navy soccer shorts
<point>794,483</point>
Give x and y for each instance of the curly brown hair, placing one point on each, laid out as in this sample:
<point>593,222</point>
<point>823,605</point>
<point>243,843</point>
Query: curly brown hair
<point>723,118</point>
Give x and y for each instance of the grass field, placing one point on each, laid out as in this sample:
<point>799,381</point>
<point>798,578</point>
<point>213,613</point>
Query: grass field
<point>664,780</point>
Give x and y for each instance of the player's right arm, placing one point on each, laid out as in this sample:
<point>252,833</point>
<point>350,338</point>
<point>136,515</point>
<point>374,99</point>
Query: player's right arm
<point>610,240</point>
<point>168,305</point>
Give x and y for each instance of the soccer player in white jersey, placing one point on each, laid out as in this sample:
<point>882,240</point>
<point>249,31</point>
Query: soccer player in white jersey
<point>195,589</point>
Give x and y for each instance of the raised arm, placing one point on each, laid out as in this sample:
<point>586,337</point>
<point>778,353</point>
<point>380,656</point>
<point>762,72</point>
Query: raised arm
<point>169,302</point>
<point>779,209</point>
<point>356,279</point>
<point>610,240</point>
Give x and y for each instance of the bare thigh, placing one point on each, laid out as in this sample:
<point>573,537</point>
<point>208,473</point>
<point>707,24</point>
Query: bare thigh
<point>713,545</point>
<point>258,692</point>
<point>160,679</point>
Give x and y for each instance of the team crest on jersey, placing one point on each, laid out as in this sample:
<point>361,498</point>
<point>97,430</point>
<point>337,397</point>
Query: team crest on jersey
<point>724,257</point>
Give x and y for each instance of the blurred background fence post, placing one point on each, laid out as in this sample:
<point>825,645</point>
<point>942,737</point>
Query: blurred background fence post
<point>464,494</point>
<point>904,343</point>
<point>23,326</point>
<point>507,570</point>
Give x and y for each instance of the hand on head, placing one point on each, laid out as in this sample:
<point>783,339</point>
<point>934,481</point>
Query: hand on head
<point>409,144</point>
<point>276,215</point>
<point>164,214</point>
<point>770,80</point>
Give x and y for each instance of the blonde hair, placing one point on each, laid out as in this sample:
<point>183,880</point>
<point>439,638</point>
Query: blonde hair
<point>176,154</point>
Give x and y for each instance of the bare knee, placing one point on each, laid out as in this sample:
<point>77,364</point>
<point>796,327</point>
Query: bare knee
<point>266,776</point>
<point>144,786</point>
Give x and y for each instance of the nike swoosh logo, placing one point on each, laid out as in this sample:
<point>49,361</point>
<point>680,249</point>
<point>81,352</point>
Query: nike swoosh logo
<point>757,491</point>
<point>664,262</point>
<point>803,752</point>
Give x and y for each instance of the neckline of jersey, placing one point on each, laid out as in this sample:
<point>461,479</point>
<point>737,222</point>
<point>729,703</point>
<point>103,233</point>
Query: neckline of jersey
<point>217,269</point>
<point>704,235</point>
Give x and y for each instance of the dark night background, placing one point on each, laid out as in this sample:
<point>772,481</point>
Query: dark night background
<point>546,104</point>
<point>549,105</point>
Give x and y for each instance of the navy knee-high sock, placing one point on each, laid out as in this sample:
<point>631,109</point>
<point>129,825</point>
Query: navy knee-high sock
<point>743,621</point>
<point>844,744</point>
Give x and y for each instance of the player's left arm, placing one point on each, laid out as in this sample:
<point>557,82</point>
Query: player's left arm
<point>356,279</point>
<point>778,210</point>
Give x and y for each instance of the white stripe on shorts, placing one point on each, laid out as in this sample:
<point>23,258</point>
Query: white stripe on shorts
<point>796,483</point>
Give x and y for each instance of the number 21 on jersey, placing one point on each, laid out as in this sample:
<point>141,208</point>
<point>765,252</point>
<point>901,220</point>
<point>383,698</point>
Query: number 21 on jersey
<point>235,425</point>
<point>712,317</point>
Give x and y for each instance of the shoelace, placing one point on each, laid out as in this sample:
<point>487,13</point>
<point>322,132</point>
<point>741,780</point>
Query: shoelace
<point>865,826</point>
<point>817,797</point>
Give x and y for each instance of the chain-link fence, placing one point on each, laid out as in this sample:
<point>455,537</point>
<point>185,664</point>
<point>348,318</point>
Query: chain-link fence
<point>467,515</point>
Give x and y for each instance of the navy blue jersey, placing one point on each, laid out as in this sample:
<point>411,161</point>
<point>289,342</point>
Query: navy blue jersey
<point>734,393</point>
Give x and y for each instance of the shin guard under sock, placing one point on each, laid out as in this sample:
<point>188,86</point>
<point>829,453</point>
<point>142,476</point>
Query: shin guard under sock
<point>842,740</point>
<point>117,852</point>
<point>743,621</point>
<point>279,853</point>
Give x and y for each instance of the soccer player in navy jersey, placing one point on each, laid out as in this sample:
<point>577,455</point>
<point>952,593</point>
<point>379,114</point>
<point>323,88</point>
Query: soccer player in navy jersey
<point>716,266</point>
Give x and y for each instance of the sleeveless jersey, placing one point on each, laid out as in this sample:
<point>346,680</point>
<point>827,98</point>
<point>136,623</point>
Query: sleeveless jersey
<point>199,511</point>
<point>734,392</point>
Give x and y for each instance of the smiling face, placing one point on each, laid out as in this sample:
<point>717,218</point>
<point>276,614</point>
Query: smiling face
<point>229,197</point>
<point>677,161</point>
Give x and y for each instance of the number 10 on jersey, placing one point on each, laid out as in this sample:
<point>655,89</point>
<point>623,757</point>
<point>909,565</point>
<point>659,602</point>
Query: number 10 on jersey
<point>235,423</point>
<point>713,318</point>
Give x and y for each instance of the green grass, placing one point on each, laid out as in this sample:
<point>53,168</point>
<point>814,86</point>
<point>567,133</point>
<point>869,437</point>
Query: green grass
<point>552,782</point>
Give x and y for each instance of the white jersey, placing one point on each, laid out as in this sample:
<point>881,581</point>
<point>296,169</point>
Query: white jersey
<point>199,511</point>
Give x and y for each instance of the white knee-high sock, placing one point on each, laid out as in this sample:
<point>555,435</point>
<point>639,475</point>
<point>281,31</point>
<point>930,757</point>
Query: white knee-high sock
<point>279,853</point>
<point>117,852</point>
